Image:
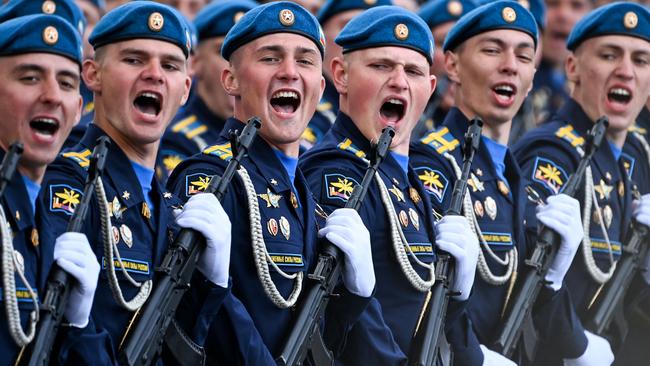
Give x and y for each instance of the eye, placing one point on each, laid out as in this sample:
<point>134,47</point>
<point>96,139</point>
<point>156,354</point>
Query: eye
<point>526,58</point>
<point>642,61</point>
<point>170,67</point>
<point>607,56</point>
<point>305,61</point>
<point>29,79</point>
<point>131,60</point>
<point>414,71</point>
<point>491,51</point>
<point>379,66</point>
<point>269,59</point>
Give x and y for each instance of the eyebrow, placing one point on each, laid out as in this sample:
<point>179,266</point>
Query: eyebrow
<point>141,53</point>
<point>277,48</point>
<point>40,69</point>
<point>501,43</point>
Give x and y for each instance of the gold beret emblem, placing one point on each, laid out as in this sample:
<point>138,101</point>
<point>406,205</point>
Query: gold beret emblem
<point>401,31</point>
<point>50,35</point>
<point>370,2</point>
<point>156,21</point>
<point>455,8</point>
<point>525,4</point>
<point>508,14</point>
<point>287,18</point>
<point>48,7</point>
<point>631,20</point>
<point>237,16</point>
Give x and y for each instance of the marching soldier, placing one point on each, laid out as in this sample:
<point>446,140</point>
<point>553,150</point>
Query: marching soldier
<point>199,123</point>
<point>139,80</point>
<point>40,61</point>
<point>275,55</point>
<point>608,65</point>
<point>489,56</point>
<point>384,80</point>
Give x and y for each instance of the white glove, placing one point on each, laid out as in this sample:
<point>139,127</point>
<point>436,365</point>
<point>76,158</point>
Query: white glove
<point>345,229</point>
<point>598,353</point>
<point>562,214</point>
<point>73,254</point>
<point>641,209</point>
<point>204,213</point>
<point>491,358</point>
<point>456,237</point>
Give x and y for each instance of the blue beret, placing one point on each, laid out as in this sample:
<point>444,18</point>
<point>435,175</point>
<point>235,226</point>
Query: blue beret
<point>66,9</point>
<point>333,7</point>
<point>536,7</point>
<point>142,19</point>
<point>622,18</point>
<point>503,14</point>
<point>216,19</point>
<point>387,26</point>
<point>436,12</point>
<point>99,4</point>
<point>40,33</point>
<point>275,17</point>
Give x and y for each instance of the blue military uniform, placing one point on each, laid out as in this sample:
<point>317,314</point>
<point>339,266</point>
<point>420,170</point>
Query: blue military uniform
<point>250,328</point>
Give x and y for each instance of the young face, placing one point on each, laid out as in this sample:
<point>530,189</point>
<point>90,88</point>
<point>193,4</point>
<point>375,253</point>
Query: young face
<point>384,86</point>
<point>612,78</point>
<point>561,16</point>
<point>331,29</point>
<point>208,66</point>
<point>39,104</point>
<point>493,73</point>
<point>277,78</point>
<point>139,85</point>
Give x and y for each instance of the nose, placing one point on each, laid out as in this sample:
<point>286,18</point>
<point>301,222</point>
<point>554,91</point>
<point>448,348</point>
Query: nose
<point>625,69</point>
<point>288,70</point>
<point>398,79</point>
<point>509,63</point>
<point>153,71</point>
<point>51,93</point>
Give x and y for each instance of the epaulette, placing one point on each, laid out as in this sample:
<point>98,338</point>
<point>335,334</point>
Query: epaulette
<point>568,134</point>
<point>346,145</point>
<point>309,135</point>
<point>190,127</point>
<point>88,108</point>
<point>638,129</point>
<point>223,151</point>
<point>82,157</point>
<point>324,106</point>
<point>441,140</point>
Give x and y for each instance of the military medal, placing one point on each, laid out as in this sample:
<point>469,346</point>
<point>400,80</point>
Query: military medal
<point>475,183</point>
<point>415,219</point>
<point>608,216</point>
<point>35,240</point>
<point>398,194</point>
<point>294,200</point>
<point>403,218</point>
<point>491,207</point>
<point>478,208</point>
<point>285,227</point>
<point>272,227</point>
<point>503,188</point>
<point>116,234</point>
<point>19,261</point>
<point>621,188</point>
<point>116,208</point>
<point>604,191</point>
<point>127,236</point>
<point>271,199</point>
<point>415,196</point>
<point>146,212</point>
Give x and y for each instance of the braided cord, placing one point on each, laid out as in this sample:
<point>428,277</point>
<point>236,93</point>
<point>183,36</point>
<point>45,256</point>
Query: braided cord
<point>261,255</point>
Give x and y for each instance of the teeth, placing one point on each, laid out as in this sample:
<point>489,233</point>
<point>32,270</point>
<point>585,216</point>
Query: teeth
<point>395,101</point>
<point>286,94</point>
<point>620,91</point>
<point>45,120</point>
<point>149,95</point>
<point>505,88</point>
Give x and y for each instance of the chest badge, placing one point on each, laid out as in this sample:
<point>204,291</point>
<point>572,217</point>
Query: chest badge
<point>285,227</point>
<point>604,190</point>
<point>126,195</point>
<point>503,188</point>
<point>116,234</point>
<point>272,226</point>
<point>403,218</point>
<point>294,200</point>
<point>475,183</point>
<point>127,235</point>
<point>398,194</point>
<point>491,207</point>
<point>415,196</point>
<point>35,240</point>
<point>478,208</point>
<point>415,219</point>
<point>271,199</point>
<point>146,211</point>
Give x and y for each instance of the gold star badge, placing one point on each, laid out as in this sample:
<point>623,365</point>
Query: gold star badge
<point>398,194</point>
<point>48,7</point>
<point>50,35</point>
<point>271,199</point>
<point>287,18</point>
<point>156,21</point>
<point>630,20</point>
<point>455,8</point>
<point>508,14</point>
<point>604,191</point>
<point>401,32</point>
<point>126,195</point>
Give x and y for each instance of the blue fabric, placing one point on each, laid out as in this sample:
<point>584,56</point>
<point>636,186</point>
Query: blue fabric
<point>145,177</point>
<point>402,160</point>
<point>436,12</point>
<point>66,9</point>
<point>216,19</point>
<point>387,26</point>
<point>498,154</point>
<point>141,19</point>
<point>275,17</point>
<point>289,163</point>
<point>622,18</point>
<point>502,14</point>
<point>333,7</point>
<point>536,7</point>
<point>40,33</point>
<point>615,150</point>
<point>32,191</point>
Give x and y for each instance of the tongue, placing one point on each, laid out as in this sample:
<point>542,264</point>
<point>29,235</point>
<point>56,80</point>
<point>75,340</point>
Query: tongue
<point>283,108</point>
<point>146,108</point>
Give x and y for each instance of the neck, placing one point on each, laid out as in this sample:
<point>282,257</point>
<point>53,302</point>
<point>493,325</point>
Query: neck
<point>496,131</point>
<point>208,100</point>
<point>35,174</point>
<point>403,147</point>
<point>143,154</point>
<point>291,150</point>
<point>617,137</point>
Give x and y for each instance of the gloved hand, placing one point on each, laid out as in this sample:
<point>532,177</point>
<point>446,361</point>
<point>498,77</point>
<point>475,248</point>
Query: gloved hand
<point>455,236</point>
<point>598,353</point>
<point>204,213</point>
<point>562,214</point>
<point>345,229</point>
<point>73,254</point>
<point>491,358</point>
<point>641,209</point>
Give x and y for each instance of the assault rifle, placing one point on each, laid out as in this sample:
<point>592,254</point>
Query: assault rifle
<point>425,346</point>
<point>305,334</point>
<point>9,165</point>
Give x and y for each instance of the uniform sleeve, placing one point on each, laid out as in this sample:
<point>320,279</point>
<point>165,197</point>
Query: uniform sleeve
<point>463,341</point>
<point>436,176</point>
<point>172,152</point>
<point>84,346</point>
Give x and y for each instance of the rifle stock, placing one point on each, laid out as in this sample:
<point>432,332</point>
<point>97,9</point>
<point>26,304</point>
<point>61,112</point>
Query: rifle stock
<point>543,254</point>
<point>328,271</point>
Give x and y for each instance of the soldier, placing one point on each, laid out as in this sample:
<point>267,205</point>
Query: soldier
<point>333,16</point>
<point>199,123</point>
<point>275,56</point>
<point>489,56</point>
<point>139,80</point>
<point>40,62</point>
<point>608,65</point>
<point>384,80</point>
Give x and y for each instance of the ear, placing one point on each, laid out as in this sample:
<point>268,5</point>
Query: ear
<point>77,116</point>
<point>92,76</point>
<point>186,92</point>
<point>229,81</point>
<point>340,75</point>
<point>433,82</point>
<point>451,66</point>
<point>571,68</point>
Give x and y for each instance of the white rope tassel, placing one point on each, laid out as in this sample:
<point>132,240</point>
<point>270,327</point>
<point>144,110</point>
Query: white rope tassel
<point>590,198</point>
<point>261,255</point>
<point>9,266</point>
<point>511,259</point>
<point>110,249</point>
<point>400,245</point>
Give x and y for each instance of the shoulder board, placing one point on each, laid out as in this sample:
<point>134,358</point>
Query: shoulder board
<point>88,108</point>
<point>82,158</point>
<point>190,127</point>
<point>324,106</point>
<point>568,134</point>
<point>223,152</point>
<point>346,145</point>
<point>441,140</point>
<point>638,129</point>
<point>309,135</point>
